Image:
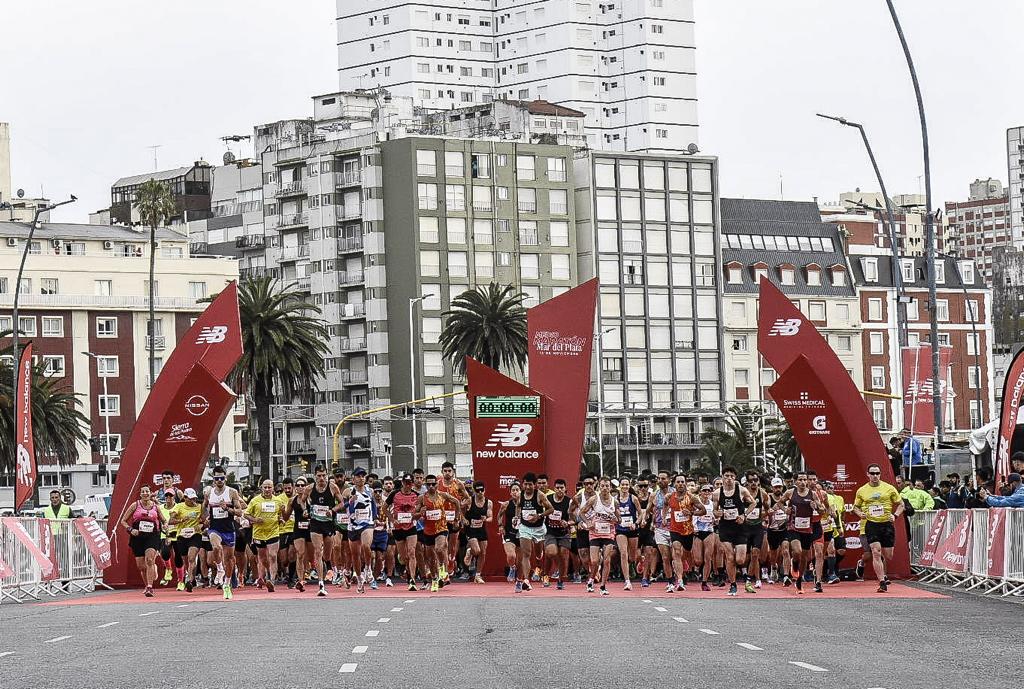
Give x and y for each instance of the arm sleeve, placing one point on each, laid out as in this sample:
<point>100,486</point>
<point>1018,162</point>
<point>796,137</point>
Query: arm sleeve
<point>1015,500</point>
<point>929,503</point>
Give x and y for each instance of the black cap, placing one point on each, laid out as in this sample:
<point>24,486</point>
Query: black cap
<point>1013,477</point>
<point>359,471</point>
<point>407,477</point>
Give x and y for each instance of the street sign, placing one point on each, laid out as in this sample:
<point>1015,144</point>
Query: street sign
<point>508,407</point>
<point>69,496</point>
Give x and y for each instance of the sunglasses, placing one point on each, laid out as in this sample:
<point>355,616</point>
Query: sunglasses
<point>874,473</point>
<point>218,478</point>
<point>431,484</point>
<point>705,490</point>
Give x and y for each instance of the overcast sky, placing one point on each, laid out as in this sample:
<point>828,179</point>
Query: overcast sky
<point>88,86</point>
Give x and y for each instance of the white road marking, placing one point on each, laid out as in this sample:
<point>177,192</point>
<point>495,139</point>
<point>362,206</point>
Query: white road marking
<point>410,601</point>
<point>661,609</point>
<point>147,614</point>
<point>183,605</point>
<point>712,632</point>
<point>646,600</point>
<point>57,638</point>
<point>808,666</point>
<point>396,610</point>
<point>348,667</point>
<point>360,649</point>
<point>6,653</point>
<point>681,619</point>
<point>373,632</point>
<point>750,647</point>
<point>384,619</point>
<point>108,624</point>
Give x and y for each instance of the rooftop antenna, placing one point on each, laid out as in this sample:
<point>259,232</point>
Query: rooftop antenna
<point>154,147</point>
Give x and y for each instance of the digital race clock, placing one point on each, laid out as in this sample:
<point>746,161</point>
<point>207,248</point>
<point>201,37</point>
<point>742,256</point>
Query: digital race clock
<point>508,407</point>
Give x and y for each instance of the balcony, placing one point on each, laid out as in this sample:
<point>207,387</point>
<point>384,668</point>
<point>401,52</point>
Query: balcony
<point>296,188</point>
<point>352,344</point>
<point>256,272</point>
<point>156,343</point>
<point>654,441</point>
<point>350,212</point>
<point>250,241</point>
<point>303,283</point>
<point>198,248</point>
<point>293,253</point>
<point>527,206</point>
<point>302,447</point>
<point>349,277</point>
<point>556,175</point>
<point>455,170</point>
<point>106,302</point>
<point>347,244</point>
<point>559,209</point>
<point>357,443</point>
<point>293,220</point>
<point>347,179</point>
<point>353,377</point>
<point>351,311</point>
<point>437,438</point>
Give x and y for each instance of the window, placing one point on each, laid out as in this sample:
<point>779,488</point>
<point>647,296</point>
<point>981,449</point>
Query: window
<point>875,342</point>
<point>106,327</point>
<point>428,230</point>
<point>525,170</point>
<point>560,267</point>
<point>457,266</point>
<point>940,271</point>
<point>430,263</point>
<point>433,364</point>
<point>838,277</point>
<point>53,326</point>
<point>484,263</point>
<point>559,233</point>
<point>197,290</point>
<point>456,230</point>
<point>528,200</point>
<point>967,272</point>
<point>455,197</point>
<point>844,343</point>
<point>907,270</point>
<point>877,377</point>
<point>874,309</point>
<point>942,309</point>
<point>760,272</point>
<point>870,269</point>
<point>739,343</point>
<point>556,169</point>
<point>842,313</point>
<point>657,28</point>
<point>103,288</point>
<point>27,325</point>
<point>972,344</point>
<point>481,166</point>
<point>426,163</point>
<point>971,311</point>
<point>427,194</point>
<point>48,286</point>
<point>528,233</point>
<point>734,274</point>
<point>813,276</point>
<point>529,268</point>
<point>558,201</point>
<point>109,405</point>
<point>453,164</point>
<point>741,377</point>
<point>659,81</point>
<point>973,377</point>
<point>878,413</point>
<point>53,366</point>
<point>483,232</point>
<point>912,310</point>
<point>788,275</point>
<point>482,198</point>
<point>816,310</point>
<point>107,366</point>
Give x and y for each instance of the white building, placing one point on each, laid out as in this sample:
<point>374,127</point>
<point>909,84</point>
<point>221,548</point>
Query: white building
<point>1014,156</point>
<point>628,66</point>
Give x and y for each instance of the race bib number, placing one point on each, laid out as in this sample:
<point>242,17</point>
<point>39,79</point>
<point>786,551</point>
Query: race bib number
<point>876,511</point>
<point>404,518</point>
<point>302,525</point>
<point>730,514</point>
<point>146,527</point>
<point>705,521</point>
<point>434,515</point>
<point>476,523</point>
<point>449,515</point>
<point>556,516</point>
<point>206,538</point>
<point>363,514</point>
<point>603,528</point>
<point>321,511</point>
<point>801,522</point>
<point>626,522</point>
<point>754,513</point>
<point>269,507</point>
<point>341,518</point>
<point>529,514</point>
<point>220,513</point>
<point>679,516</point>
<point>187,533</point>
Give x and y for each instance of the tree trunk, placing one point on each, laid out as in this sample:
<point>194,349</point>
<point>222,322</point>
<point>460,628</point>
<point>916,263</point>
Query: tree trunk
<point>150,327</point>
<point>262,399</point>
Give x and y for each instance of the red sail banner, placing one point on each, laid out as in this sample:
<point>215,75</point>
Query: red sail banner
<point>25,473</point>
<point>996,542</point>
<point>934,535</point>
<point>1013,392</point>
<point>784,335</point>
<point>14,525</point>
<point>952,552</point>
<point>189,391</point>
<point>918,388</point>
<point>561,338</point>
<point>95,540</point>
<point>48,545</point>
<point>508,440</point>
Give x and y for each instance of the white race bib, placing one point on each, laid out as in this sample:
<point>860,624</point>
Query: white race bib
<point>476,523</point>
<point>679,516</point>
<point>705,520</point>
<point>146,527</point>
<point>404,518</point>
<point>220,513</point>
<point>341,518</point>
<point>876,511</point>
<point>730,514</point>
<point>268,507</point>
<point>602,528</point>
<point>362,514</point>
<point>754,513</point>
<point>449,515</point>
<point>626,522</point>
<point>529,514</point>
<point>801,522</point>
<point>302,525</point>
<point>556,515</point>
<point>187,533</point>
<point>434,515</point>
<point>321,511</point>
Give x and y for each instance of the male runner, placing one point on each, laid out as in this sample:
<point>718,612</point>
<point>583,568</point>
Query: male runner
<point>286,549</point>
<point>167,486</point>
<point>221,504</point>
<point>778,523</point>
<point>403,504</point>
<point>265,513</point>
<point>835,540</point>
<point>731,503</point>
<point>479,512</point>
<point>662,535</point>
<point>645,530</point>
<point>583,519</point>
<point>556,540</point>
<point>324,501</point>
<point>879,505</point>
<point>381,541</point>
<point>754,524</point>
<point>448,483</point>
<point>431,507</point>
<point>820,532</point>
<point>803,504</point>
<point>533,509</point>
<point>362,516</point>
<point>678,514</point>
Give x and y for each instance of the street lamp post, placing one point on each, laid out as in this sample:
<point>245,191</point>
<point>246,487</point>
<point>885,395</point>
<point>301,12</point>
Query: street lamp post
<point>412,369</point>
<point>637,429</point>
<point>105,445</point>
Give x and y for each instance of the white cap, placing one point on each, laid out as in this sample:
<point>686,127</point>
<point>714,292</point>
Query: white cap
<point>191,493</point>
<point>777,482</point>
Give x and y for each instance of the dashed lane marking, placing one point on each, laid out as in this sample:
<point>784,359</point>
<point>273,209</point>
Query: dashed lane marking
<point>183,605</point>
<point>6,653</point>
<point>410,601</point>
<point>646,600</point>
<point>147,614</point>
<point>750,647</point>
<point>373,632</point>
<point>712,632</point>
<point>661,609</point>
<point>360,649</point>
<point>396,609</point>
<point>57,638</point>
<point>348,667</point>
<point>384,619</point>
<point>108,624</point>
<point>681,619</point>
<point>808,666</point>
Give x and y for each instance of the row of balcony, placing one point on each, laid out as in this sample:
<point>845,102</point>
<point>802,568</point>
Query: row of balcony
<point>652,440</point>
<point>352,344</point>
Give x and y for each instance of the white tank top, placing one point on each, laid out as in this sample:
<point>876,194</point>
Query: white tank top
<point>219,502</point>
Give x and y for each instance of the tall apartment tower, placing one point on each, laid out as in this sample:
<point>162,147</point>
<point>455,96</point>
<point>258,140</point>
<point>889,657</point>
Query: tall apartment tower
<point>1014,157</point>
<point>629,66</point>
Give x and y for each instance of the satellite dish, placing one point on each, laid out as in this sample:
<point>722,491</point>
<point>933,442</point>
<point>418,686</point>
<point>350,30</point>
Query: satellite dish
<point>692,149</point>
<point>229,158</point>
<point>21,193</point>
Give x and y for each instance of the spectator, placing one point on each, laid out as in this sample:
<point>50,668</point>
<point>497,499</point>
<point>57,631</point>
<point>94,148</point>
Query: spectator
<point>895,456</point>
<point>1017,462</point>
<point>917,497</point>
<point>937,499</point>
<point>911,449</point>
<point>1015,499</point>
<point>958,492</point>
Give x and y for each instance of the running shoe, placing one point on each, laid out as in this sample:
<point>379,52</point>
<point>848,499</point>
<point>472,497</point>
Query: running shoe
<point>519,587</point>
<point>412,585</point>
<point>560,585</point>
<point>680,586</point>
<point>511,574</point>
<point>181,585</point>
<point>757,584</point>
<point>645,582</point>
<point>149,592</point>
<point>886,580</point>
<point>299,587</point>
<point>786,581</point>
<point>546,581</point>
<point>373,584</point>
<point>270,585</point>
<point>441,583</point>
<point>860,571</point>
<point>387,582</point>
<point>346,582</point>
<point>669,588</point>
<point>259,583</point>
<point>434,586</point>
<point>577,579</point>
<point>359,586</point>
<point>800,585</point>
<point>536,574</point>
<point>189,586</point>
<point>167,578</point>
<point>323,590</point>
<point>833,579</point>
<point>478,579</point>
<point>227,592</point>
<point>883,587</point>
<point>219,579</point>
<point>704,586</point>
<point>732,589</point>
<point>604,590</point>
<point>817,587</point>
<point>749,588</point>
<point>526,585</point>
<point>590,585</point>
<point>628,586</point>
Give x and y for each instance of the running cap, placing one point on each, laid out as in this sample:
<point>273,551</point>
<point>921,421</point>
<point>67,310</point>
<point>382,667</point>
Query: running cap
<point>1013,477</point>
<point>359,471</point>
<point>778,482</point>
<point>706,486</point>
<point>191,493</point>
<point>407,477</point>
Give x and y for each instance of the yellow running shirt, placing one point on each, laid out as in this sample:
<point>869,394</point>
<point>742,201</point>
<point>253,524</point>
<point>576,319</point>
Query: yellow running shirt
<point>189,518</point>
<point>264,513</point>
<point>877,502</point>
<point>288,526</point>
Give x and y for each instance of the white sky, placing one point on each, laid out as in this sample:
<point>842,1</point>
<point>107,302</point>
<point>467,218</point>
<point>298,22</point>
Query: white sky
<point>88,86</point>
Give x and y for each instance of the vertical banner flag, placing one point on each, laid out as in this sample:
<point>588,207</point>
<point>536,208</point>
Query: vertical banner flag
<point>48,544</point>
<point>934,534</point>
<point>918,387</point>
<point>95,540</point>
<point>1013,391</point>
<point>996,542</point>
<point>784,334</point>
<point>506,426</point>
<point>561,339</point>
<point>25,475</point>
<point>14,525</point>
<point>952,552</point>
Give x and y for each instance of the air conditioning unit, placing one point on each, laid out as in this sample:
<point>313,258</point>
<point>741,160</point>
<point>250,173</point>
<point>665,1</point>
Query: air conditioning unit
<point>108,245</point>
<point>11,241</point>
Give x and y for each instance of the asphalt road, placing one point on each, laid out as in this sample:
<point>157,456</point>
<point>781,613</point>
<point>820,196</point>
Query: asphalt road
<point>416,640</point>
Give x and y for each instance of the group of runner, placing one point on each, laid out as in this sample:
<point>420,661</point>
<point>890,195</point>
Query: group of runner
<point>364,531</point>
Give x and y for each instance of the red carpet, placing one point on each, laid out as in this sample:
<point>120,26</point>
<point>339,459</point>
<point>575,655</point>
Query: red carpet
<point>846,590</point>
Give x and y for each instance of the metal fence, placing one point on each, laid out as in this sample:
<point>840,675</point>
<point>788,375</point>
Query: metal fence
<point>77,571</point>
<point>978,576</point>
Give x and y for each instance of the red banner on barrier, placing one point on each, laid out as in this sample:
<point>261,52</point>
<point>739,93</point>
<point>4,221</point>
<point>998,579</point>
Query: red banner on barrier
<point>1013,393</point>
<point>996,541</point>
<point>5,569</point>
<point>15,526</point>
<point>49,547</point>
<point>95,540</point>
<point>25,475</point>
<point>918,387</point>
<point>934,534</point>
<point>952,552</point>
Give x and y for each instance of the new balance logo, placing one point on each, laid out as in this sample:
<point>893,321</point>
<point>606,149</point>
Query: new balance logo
<point>212,334</point>
<point>785,327</point>
<point>510,435</point>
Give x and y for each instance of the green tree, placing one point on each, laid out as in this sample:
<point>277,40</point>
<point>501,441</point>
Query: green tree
<point>283,347</point>
<point>782,445</point>
<point>156,207</point>
<point>734,442</point>
<point>488,324</point>
<point>58,427</point>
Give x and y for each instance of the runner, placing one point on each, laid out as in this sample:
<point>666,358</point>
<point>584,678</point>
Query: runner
<point>705,541</point>
<point>431,507</point>
<point>533,509</point>
<point>169,534</point>
<point>286,549</point>
<point>187,517</point>
<point>508,518</point>
<point>265,513</point>
<point>324,499</point>
<point>381,541</point>
<point>582,519</point>
<point>819,529</point>
<point>778,546</point>
<point>403,504</point>
<point>662,535</point>
<point>626,536</point>
<point>680,507</point>
<point>221,503</point>
<point>731,503</point>
<point>362,516</point>
<point>479,513</point>
<point>448,483</point>
<point>645,532</point>
<point>339,550</point>
<point>167,486</point>
<point>142,521</point>
<point>540,560</point>
<point>297,511</point>
<point>557,540</point>
<point>603,515</point>
<point>803,503</point>
<point>879,505</point>
<point>754,523</point>
<point>835,541</point>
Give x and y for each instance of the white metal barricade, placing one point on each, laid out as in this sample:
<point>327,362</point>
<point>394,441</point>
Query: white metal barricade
<point>76,573</point>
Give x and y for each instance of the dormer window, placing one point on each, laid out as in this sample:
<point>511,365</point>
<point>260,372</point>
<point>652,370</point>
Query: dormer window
<point>787,274</point>
<point>813,275</point>
<point>760,271</point>
<point>734,273</point>
<point>870,269</point>
<point>838,276</point>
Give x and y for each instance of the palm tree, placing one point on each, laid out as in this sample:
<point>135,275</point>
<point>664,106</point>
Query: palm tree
<point>58,427</point>
<point>783,445</point>
<point>283,349</point>
<point>488,324</point>
<point>735,442</point>
<point>156,207</point>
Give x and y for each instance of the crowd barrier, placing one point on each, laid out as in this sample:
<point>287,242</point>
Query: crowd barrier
<point>76,570</point>
<point>993,561</point>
